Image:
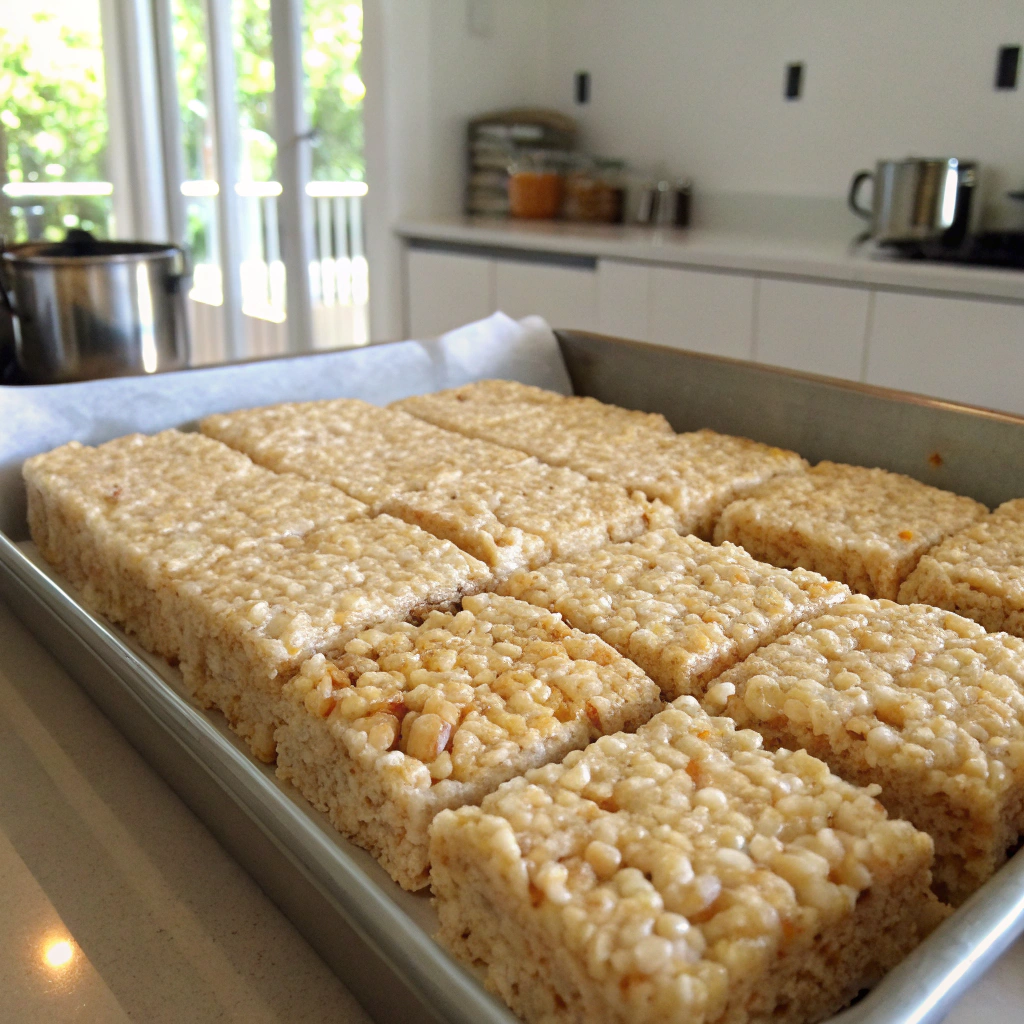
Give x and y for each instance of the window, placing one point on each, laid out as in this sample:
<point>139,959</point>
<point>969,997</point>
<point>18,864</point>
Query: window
<point>53,121</point>
<point>191,123</point>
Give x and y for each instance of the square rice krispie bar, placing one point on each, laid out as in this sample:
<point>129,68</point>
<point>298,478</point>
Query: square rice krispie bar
<point>543,424</point>
<point>525,515</point>
<point>252,618</point>
<point>241,581</point>
<point>696,474</point>
<point>366,451</point>
<point>680,874</point>
<point>978,572</point>
<point>122,520</point>
<point>865,527</point>
<point>681,608</point>
<point>919,700</point>
<point>413,719</point>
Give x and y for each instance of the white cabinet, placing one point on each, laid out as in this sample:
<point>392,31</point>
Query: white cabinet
<point>565,296</point>
<point>623,299</point>
<point>446,290</point>
<point>967,350</point>
<point>813,327</point>
<point>702,311</point>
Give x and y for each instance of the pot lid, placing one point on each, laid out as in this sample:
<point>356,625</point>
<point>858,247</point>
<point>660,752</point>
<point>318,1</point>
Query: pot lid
<point>79,246</point>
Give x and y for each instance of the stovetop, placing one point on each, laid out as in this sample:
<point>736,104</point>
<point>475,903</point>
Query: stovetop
<point>988,249</point>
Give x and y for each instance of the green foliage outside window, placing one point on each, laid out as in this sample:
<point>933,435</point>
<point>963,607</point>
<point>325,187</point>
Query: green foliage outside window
<point>53,118</point>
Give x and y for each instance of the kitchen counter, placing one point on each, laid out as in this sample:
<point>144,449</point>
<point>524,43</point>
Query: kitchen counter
<point>116,904</point>
<point>722,250</point>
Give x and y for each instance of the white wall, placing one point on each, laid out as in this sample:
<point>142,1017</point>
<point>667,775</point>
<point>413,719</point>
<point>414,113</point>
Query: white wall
<point>698,85</point>
<point>426,75</point>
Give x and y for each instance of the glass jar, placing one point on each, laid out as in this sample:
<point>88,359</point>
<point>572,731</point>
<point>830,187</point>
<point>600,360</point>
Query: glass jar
<point>594,192</point>
<point>535,186</point>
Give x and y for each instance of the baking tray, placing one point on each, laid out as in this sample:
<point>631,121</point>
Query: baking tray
<point>375,936</point>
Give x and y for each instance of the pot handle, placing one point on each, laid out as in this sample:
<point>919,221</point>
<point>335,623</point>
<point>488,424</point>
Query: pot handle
<point>855,186</point>
<point>183,270</point>
<point>6,298</point>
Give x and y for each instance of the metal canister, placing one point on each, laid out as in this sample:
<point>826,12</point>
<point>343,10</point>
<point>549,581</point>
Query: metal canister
<point>83,308</point>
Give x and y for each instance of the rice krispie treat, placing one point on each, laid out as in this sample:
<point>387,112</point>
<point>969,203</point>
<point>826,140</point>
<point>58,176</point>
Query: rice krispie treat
<point>549,428</point>
<point>680,874</point>
<point>681,608</point>
<point>978,572</point>
<point>527,514</point>
<point>122,520</point>
<point>413,719</point>
<point>240,589</point>
<point>366,451</point>
<point>919,700</point>
<point>696,474</point>
<point>865,527</point>
<point>488,396</point>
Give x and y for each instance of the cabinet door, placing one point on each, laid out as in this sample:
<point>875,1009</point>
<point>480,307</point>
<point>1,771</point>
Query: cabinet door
<point>703,311</point>
<point>564,296</point>
<point>446,290</point>
<point>623,299</point>
<point>817,328</point>
<point>966,350</point>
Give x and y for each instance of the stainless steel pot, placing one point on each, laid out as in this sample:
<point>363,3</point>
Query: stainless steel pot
<point>82,309</point>
<point>918,200</point>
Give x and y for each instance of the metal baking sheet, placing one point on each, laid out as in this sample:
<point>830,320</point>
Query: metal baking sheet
<point>375,936</point>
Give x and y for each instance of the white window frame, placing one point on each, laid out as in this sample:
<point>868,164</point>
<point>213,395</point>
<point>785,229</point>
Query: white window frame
<point>146,146</point>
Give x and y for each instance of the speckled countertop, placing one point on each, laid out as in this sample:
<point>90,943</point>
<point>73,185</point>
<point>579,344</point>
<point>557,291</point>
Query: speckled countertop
<point>116,903</point>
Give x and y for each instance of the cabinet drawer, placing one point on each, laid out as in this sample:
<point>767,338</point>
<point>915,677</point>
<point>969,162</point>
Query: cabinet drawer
<point>564,296</point>
<point>702,311</point>
<point>623,297</point>
<point>966,350</point>
<point>446,290</point>
<point>816,328</point>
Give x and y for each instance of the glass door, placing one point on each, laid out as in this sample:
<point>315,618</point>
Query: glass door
<point>332,58</point>
<point>268,96</point>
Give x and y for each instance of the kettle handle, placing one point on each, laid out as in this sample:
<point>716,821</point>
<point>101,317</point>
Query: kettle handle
<point>855,186</point>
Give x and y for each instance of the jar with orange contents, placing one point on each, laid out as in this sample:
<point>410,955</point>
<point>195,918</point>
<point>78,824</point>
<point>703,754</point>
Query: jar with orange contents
<point>535,185</point>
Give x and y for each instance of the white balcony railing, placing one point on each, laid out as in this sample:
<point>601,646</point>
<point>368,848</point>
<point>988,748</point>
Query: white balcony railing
<point>338,275</point>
